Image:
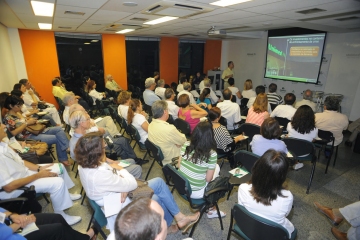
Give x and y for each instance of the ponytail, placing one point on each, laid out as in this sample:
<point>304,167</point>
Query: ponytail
<point>134,104</point>
<point>204,93</point>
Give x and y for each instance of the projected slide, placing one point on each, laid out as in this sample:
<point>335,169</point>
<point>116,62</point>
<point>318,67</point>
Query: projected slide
<point>295,58</point>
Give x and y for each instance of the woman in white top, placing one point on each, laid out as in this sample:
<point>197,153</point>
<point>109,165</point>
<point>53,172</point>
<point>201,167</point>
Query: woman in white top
<point>123,100</point>
<point>302,125</point>
<point>137,117</point>
<point>234,90</point>
<point>90,88</point>
<point>248,92</point>
<point>265,195</point>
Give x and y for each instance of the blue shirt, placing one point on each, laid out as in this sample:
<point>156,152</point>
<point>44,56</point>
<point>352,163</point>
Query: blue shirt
<point>259,145</point>
<point>150,97</point>
<point>206,100</point>
<point>6,232</point>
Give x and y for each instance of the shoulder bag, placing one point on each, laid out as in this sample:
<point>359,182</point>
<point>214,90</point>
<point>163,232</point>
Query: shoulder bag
<point>221,183</point>
<point>143,190</point>
<point>36,129</point>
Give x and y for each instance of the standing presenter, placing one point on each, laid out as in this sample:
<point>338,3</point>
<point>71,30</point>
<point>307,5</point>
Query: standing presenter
<point>228,73</point>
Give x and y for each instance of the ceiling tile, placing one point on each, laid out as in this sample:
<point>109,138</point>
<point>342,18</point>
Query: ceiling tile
<point>116,5</point>
<point>228,16</point>
<point>31,18</point>
<point>67,21</point>
<point>20,6</point>
<point>60,11</point>
<point>112,16</point>
<point>83,3</point>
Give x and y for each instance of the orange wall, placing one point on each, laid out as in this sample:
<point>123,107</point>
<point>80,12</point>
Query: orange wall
<point>114,55</point>
<point>169,59</point>
<point>41,60</point>
<point>212,54</point>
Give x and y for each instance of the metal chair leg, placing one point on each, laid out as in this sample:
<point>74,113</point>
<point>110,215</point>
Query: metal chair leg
<point>193,227</point>
<point>82,201</point>
<point>46,199</point>
<point>311,177</point>
<point>218,211</point>
<point>231,188</point>
<point>147,175</point>
<point>336,152</point>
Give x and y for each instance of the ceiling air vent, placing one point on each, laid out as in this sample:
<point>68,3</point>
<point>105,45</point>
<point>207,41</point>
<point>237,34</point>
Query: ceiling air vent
<point>64,27</point>
<point>111,29</point>
<point>187,35</point>
<point>347,19</point>
<point>139,19</point>
<point>333,16</point>
<point>311,11</point>
<point>74,13</point>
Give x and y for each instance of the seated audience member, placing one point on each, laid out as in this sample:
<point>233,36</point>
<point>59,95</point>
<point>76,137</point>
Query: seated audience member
<point>350,213</point>
<point>99,181</point>
<point>248,92</point>
<point>331,120</point>
<point>80,121</point>
<point>4,110</point>
<point>354,128</point>
<point>213,97</point>
<point>302,125</point>
<point>16,125</point>
<point>191,115</point>
<point>137,117</point>
<point>258,111</point>
<point>234,90</point>
<point>205,98</point>
<point>180,87</point>
<point>156,76</point>
<point>124,99</point>
<point>51,226</point>
<point>287,110</point>
<point>197,78</point>
<point>163,134</point>
<point>191,81</point>
<point>229,110</point>
<point>111,84</point>
<point>160,90</point>
<point>95,95</point>
<point>202,85</point>
<point>15,173</point>
<point>187,89</point>
<point>149,96</point>
<point>259,89</point>
<point>307,100</point>
<point>265,194</point>
<point>224,142</point>
<point>31,99</point>
<point>172,107</point>
<point>273,97</point>
<point>198,162</point>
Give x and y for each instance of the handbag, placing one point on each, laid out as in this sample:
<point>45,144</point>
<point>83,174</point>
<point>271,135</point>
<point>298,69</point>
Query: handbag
<point>30,156</point>
<point>42,106</point>
<point>143,190</point>
<point>36,129</point>
<point>219,182</point>
<point>39,147</point>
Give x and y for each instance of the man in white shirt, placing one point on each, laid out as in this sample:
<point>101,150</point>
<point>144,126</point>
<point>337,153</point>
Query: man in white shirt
<point>172,107</point>
<point>111,84</point>
<point>180,87</point>
<point>287,110</point>
<point>160,90</point>
<point>229,109</point>
<point>213,97</point>
<point>187,88</point>
<point>228,73</point>
<point>307,100</point>
<point>31,99</point>
<point>259,89</point>
<point>149,96</point>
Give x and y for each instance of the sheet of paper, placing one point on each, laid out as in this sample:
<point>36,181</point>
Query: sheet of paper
<point>113,205</point>
<point>29,229</point>
<point>57,168</point>
<point>238,172</point>
<point>289,155</point>
<point>245,137</point>
<point>124,163</point>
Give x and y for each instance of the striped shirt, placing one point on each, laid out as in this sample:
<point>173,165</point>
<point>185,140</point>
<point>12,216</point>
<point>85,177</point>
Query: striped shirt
<point>256,118</point>
<point>196,173</point>
<point>274,98</point>
<point>222,138</point>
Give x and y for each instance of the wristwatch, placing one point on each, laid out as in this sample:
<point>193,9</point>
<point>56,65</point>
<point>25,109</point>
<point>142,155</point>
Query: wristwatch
<point>38,169</point>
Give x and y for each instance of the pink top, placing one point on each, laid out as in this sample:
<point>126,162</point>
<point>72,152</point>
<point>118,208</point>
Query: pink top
<point>255,118</point>
<point>192,121</point>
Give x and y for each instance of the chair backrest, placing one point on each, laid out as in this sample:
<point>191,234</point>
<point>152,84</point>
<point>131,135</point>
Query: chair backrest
<point>98,213</point>
<point>233,99</point>
<point>326,137</point>
<point>170,120</point>
<point>249,129</point>
<point>155,150</point>
<point>124,124</point>
<point>120,120</point>
<point>182,126</point>
<point>181,184</point>
<point>246,158</point>
<point>223,121</point>
<point>256,227</point>
<point>273,106</point>
<point>134,133</point>
<point>147,109</point>
<point>244,102</point>
<point>282,121</point>
<point>299,147</point>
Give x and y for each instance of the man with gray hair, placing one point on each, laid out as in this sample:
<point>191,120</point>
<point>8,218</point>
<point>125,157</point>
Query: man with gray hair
<point>160,90</point>
<point>331,120</point>
<point>163,134</point>
<point>307,100</point>
<point>187,89</point>
<point>111,84</point>
<point>149,96</point>
<point>172,107</point>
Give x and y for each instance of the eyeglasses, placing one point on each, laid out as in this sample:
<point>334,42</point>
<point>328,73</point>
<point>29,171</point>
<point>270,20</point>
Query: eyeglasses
<point>87,119</point>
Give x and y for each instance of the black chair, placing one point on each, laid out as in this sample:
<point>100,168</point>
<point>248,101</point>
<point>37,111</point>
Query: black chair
<point>170,120</point>
<point>155,152</point>
<point>273,106</point>
<point>61,105</point>
<point>251,226</point>
<point>283,122</point>
<point>182,126</point>
<point>223,121</point>
<point>326,137</point>
<point>244,102</point>
<point>147,109</point>
<point>302,150</point>
<point>233,99</point>
<point>249,130</point>
<point>134,133</point>
<point>183,187</point>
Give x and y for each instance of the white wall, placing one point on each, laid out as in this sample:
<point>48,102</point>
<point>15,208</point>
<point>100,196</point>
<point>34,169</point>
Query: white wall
<point>8,75</point>
<point>343,76</point>
<point>17,53</point>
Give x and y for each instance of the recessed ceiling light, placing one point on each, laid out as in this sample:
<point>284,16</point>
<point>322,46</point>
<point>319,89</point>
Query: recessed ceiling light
<point>86,43</point>
<point>130,4</point>
<point>45,25</point>
<point>160,20</point>
<point>224,3</point>
<point>43,8</point>
<point>95,40</point>
<point>126,31</point>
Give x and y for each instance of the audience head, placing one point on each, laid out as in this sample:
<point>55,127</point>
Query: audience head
<point>227,94</point>
<point>159,110</point>
<point>270,128</point>
<point>272,88</point>
<point>19,86</point>
<point>3,97</point>
<point>13,101</point>
<point>187,86</point>
<point>207,83</point>
<point>289,98</point>
<point>183,100</point>
<point>69,99</point>
<point>109,77</point>
<point>55,81</point>
<point>86,79</point>
<point>198,74</point>
<point>90,85</point>
<point>268,176</point>
<point>141,219</point>
<point>169,94</point>
<point>76,107</point>
<point>303,120</point>
<point>205,93</point>
<point>161,83</point>
<point>331,103</point>
<point>26,83</point>
<point>231,64</point>
<point>17,93</point>
<point>79,119</point>
<point>259,89</point>
<point>173,86</point>
<point>156,75</point>
<point>124,97</point>
<point>183,79</point>
<point>261,103</point>
<point>248,85</point>
<point>231,81</point>
<point>214,113</point>
<point>307,95</point>
<point>150,83</point>
<point>134,105</point>
<point>90,150</point>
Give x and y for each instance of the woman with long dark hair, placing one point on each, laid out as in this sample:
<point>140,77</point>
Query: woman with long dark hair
<point>90,88</point>
<point>205,98</point>
<point>302,125</point>
<point>265,195</point>
<point>198,162</point>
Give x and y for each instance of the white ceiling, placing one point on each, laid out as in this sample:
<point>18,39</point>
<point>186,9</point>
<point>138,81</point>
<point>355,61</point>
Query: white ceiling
<point>253,16</point>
